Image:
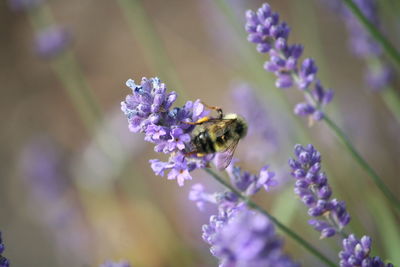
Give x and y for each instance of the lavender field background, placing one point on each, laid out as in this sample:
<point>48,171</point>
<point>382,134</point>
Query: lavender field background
<point>76,186</point>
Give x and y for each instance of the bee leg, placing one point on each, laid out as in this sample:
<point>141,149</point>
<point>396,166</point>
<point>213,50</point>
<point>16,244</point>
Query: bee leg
<point>192,153</point>
<point>199,121</point>
<point>218,109</point>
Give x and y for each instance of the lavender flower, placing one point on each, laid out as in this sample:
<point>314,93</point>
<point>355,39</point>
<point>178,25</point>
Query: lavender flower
<point>356,253</point>
<point>200,197</point>
<point>271,36</point>
<point>378,74</point>
<point>121,263</point>
<point>52,41</point>
<point>254,111</point>
<point>149,111</point>
<point>314,191</point>
<point>248,238</point>
<point>45,174</point>
<point>262,139</point>
<point>22,5</point>
<point>249,183</point>
<point>239,236</point>
<point>3,261</point>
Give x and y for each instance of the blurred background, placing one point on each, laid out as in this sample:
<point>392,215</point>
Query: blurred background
<point>76,187</point>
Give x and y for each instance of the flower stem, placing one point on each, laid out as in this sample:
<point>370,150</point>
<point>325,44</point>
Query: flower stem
<point>389,49</point>
<point>68,71</point>
<point>363,163</point>
<point>392,101</point>
<point>281,226</point>
<point>151,44</point>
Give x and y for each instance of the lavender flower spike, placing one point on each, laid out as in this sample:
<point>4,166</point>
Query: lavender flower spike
<point>121,263</point>
<point>239,236</point>
<point>23,5</point>
<point>3,261</point>
<point>356,253</point>
<point>149,111</point>
<point>314,191</point>
<point>248,238</point>
<point>271,36</point>
<point>379,74</point>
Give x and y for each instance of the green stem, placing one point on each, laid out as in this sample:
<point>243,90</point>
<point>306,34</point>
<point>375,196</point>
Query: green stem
<point>392,101</point>
<point>363,163</point>
<point>389,95</point>
<point>389,49</point>
<point>68,72</point>
<point>281,226</point>
<point>151,43</point>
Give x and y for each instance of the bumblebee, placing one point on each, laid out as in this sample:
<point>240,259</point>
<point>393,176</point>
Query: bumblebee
<point>218,135</point>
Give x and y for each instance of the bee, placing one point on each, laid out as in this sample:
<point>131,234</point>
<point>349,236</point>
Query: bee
<point>218,135</point>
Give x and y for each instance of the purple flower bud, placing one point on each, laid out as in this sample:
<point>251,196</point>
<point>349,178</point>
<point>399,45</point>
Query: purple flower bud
<point>51,41</point>
<point>316,211</point>
<point>328,232</point>
<point>3,261</point>
<point>284,81</point>
<point>280,44</point>
<point>304,157</point>
<point>299,173</point>
<point>356,253</point>
<point>291,64</point>
<point>301,183</point>
<point>325,192</point>
<point>255,38</point>
<point>318,115</point>
<point>263,48</point>
<point>308,200</point>
<point>304,109</point>
<point>293,164</point>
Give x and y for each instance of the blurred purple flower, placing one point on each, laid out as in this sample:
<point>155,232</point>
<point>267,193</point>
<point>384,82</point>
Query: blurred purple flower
<point>262,139</point>
<point>378,75</point>
<point>271,36</point>
<point>239,236</point>
<point>356,253</point>
<point>314,191</point>
<point>22,5</point>
<point>43,168</point>
<point>248,238</point>
<point>149,111</point>
<point>121,263</point>
<point>200,196</point>
<point>254,111</point>
<point>3,261</point>
<point>52,41</point>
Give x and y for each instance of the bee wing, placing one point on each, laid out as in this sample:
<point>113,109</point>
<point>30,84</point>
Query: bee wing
<point>218,126</point>
<point>224,158</point>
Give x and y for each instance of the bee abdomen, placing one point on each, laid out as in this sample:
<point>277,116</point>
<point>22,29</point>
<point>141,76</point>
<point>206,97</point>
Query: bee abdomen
<point>203,143</point>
